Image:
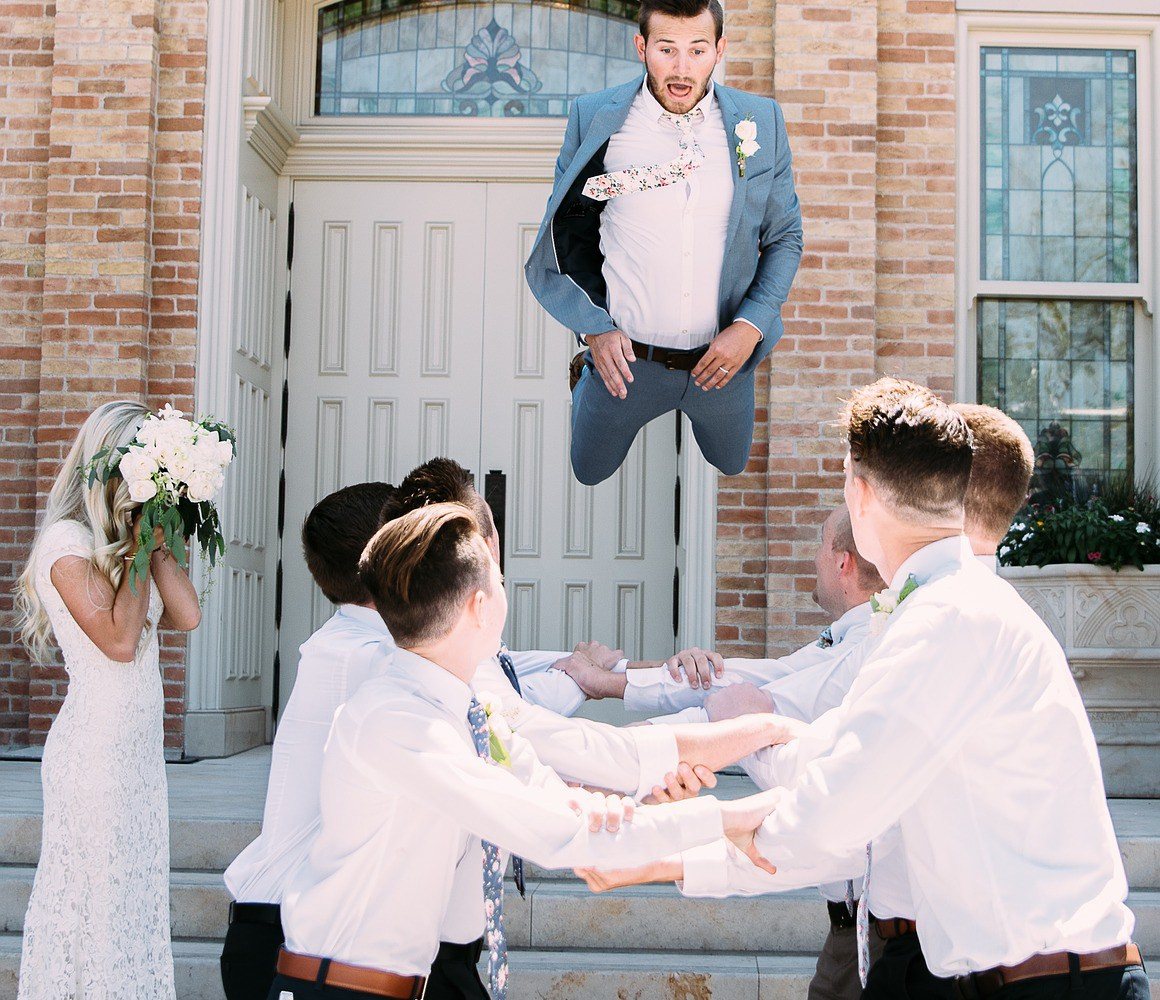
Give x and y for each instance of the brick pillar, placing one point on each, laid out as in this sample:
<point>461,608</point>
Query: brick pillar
<point>826,79</point>
<point>916,191</point>
<point>26,86</point>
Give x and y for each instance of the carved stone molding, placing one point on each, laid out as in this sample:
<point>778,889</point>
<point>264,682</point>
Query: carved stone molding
<point>271,134</point>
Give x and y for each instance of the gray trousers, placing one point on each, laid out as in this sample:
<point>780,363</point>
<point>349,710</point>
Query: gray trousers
<point>836,977</point>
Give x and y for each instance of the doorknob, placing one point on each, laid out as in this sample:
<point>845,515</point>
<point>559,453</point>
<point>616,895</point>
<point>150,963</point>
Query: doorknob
<point>495,493</point>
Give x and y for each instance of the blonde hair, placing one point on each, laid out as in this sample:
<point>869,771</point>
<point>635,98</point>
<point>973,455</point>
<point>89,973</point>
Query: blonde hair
<point>103,508</point>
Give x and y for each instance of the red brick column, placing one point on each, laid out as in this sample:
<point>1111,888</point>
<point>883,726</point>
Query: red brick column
<point>119,223</point>
<point>26,89</point>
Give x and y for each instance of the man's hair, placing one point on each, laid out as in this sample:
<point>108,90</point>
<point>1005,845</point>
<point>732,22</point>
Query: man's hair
<point>440,480</point>
<point>422,567</point>
<point>868,576</point>
<point>683,9</point>
<point>911,447</point>
<point>1001,470</point>
<point>334,535</point>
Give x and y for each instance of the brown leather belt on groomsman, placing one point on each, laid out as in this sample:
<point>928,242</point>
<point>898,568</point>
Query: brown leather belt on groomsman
<point>977,985</point>
<point>351,977</point>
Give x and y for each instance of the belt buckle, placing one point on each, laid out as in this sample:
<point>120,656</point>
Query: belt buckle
<point>670,362</point>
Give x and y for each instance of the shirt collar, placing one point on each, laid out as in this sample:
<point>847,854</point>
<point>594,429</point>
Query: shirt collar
<point>856,615</point>
<point>364,616</point>
<point>936,559</point>
<point>437,684</point>
<point>989,561</point>
<point>654,109</point>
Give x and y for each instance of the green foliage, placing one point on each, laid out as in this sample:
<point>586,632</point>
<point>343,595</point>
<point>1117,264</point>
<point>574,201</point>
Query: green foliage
<point>1112,523</point>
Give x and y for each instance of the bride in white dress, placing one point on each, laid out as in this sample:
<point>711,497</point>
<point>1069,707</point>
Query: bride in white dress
<point>97,925</point>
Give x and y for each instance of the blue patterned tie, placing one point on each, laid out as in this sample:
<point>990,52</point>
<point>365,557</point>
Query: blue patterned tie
<point>509,668</point>
<point>507,665</point>
<point>863,924</point>
<point>494,938</point>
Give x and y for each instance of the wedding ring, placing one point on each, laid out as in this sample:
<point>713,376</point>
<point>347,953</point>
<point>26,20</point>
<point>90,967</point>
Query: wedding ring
<point>723,369</point>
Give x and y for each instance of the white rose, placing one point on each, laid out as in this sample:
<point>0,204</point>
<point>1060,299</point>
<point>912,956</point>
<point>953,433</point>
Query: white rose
<point>180,465</point>
<point>887,600</point>
<point>746,131</point>
<point>748,147</point>
<point>224,452</point>
<point>141,490</point>
<point>135,465</point>
<point>201,486</point>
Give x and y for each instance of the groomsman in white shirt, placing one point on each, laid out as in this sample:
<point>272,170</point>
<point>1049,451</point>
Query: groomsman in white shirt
<point>415,774</point>
<point>964,727</point>
<point>633,760</point>
<point>332,663</point>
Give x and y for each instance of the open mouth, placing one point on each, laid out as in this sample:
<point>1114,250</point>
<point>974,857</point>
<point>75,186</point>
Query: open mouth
<point>679,91</point>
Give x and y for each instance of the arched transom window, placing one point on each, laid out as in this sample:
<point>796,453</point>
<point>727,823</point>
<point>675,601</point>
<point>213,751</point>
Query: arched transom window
<point>443,57</point>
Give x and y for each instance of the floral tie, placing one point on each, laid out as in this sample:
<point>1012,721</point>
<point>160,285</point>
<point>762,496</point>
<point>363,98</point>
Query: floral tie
<point>826,639</point>
<point>633,179</point>
<point>863,923</point>
<point>509,668</point>
<point>497,964</point>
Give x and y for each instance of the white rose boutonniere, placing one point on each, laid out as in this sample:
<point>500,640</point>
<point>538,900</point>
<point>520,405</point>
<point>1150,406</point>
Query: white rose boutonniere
<point>498,731</point>
<point>747,146</point>
<point>883,603</point>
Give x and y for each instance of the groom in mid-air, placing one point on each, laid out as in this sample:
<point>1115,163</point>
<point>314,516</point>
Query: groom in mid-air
<point>669,244</point>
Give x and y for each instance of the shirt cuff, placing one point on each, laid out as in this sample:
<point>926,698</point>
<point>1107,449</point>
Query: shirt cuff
<point>700,820</point>
<point>760,335</point>
<point>656,753</point>
<point>706,870</point>
<point>621,666</point>
<point>695,714</point>
<point>643,688</point>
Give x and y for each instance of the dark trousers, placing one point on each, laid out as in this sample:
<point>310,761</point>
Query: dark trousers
<point>900,973</point>
<point>249,957</point>
<point>454,976</point>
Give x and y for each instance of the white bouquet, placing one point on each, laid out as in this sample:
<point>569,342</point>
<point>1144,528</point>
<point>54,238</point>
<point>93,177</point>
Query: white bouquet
<point>174,467</point>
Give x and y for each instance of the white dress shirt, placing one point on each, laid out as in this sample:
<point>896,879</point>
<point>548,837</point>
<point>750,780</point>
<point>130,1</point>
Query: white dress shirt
<point>592,753</point>
<point>397,863</point>
<point>542,684</point>
<point>653,688</point>
<point>332,663</point>
<point>678,231</point>
<point>965,727</point>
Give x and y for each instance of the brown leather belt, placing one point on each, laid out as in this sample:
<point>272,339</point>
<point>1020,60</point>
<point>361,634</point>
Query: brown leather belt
<point>977,985</point>
<point>895,927</point>
<point>674,361</point>
<point>351,977</point>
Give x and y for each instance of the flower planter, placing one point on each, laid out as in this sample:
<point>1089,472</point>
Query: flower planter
<point>1109,626</point>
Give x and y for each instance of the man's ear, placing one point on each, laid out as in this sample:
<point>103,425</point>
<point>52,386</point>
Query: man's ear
<point>477,609</point>
<point>859,494</point>
<point>845,564</point>
<point>639,42</point>
<point>720,49</point>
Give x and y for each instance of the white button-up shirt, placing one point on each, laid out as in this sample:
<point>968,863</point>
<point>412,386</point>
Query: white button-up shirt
<point>966,727</point>
<point>664,248</point>
<point>397,863</point>
<point>542,684</point>
<point>801,688</point>
<point>332,663</point>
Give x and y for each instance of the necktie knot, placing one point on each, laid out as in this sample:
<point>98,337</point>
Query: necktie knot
<point>684,122</point>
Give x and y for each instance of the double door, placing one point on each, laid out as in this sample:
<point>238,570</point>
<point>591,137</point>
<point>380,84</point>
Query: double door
<point>414,336</point>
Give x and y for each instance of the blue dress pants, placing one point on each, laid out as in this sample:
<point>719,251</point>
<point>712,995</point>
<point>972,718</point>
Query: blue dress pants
<point>604,426</point>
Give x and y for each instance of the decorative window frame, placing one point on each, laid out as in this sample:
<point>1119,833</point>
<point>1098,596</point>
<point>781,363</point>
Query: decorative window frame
<point>1056,24</point>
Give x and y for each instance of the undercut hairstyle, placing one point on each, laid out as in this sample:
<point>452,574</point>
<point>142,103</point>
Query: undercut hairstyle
<point>422,567</point>
<point>684,9</point>
<point>334,535</point>
<point>911,447</point>
<point>440,480</point>
<point>867,573</point>
<point>1001,470</point>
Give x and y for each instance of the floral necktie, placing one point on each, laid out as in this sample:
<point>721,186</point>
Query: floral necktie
<point>494,938</point>
<point>509,668</point>
<point>633,179</point>
<point>863,923</point>
<point>826,639</point>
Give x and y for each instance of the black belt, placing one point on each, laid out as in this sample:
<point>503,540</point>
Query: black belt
<point>674,361</point>
<point>467,954</point>
<point>256,913</point>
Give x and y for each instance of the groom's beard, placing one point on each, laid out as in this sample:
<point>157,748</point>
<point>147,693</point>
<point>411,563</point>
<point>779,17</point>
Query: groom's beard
<point>698,89</point>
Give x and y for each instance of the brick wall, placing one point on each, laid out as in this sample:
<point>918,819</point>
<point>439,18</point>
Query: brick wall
<point>867,90</point>
<point>114,315</point>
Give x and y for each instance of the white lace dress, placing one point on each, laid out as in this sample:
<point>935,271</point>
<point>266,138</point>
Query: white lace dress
<point>97,926</point>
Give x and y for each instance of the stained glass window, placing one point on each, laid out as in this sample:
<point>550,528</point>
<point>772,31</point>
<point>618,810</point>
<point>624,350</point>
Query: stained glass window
<point>1063,370</point>
<point>442,57</point>
<point>1058,164</point>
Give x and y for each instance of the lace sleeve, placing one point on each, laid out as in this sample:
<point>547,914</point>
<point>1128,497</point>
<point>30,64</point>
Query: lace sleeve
<point>65,538</point>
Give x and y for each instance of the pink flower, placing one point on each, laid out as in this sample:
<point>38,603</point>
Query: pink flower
<point>1093,557</point>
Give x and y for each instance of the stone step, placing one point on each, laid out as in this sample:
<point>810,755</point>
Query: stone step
<point>560,975</point>
<point>558,914</point>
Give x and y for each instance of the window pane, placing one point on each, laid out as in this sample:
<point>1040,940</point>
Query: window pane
<point>433,57</point>
<point>1058,165</point>
<point>1063,370</point>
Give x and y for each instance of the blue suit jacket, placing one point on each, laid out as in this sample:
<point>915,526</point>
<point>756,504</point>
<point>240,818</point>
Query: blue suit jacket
<point>763,241</point>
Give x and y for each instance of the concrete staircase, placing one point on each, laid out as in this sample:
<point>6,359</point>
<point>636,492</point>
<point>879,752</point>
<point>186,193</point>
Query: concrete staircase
<point>643,943</point>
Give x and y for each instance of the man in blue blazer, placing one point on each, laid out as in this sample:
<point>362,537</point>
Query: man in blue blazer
<point>669,244</point>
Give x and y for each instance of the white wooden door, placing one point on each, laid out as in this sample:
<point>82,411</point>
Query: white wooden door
<point>413,336</point>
